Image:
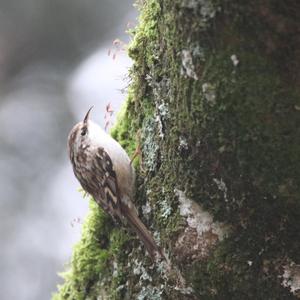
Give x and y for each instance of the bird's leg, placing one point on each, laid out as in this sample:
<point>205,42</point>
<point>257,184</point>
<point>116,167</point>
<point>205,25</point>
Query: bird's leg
<point>138,151</point>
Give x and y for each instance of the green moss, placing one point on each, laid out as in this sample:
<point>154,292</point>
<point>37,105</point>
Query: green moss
<point>146,34</point>
<point>123,131</point>
<point>90,271</point>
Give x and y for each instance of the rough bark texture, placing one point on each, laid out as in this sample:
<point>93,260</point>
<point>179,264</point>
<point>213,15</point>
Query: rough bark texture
<point>215,94</point>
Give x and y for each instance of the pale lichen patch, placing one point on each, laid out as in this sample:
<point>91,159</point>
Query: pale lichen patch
<point>150,293</point>
<point>146,209</point>
<point>202,233</point>
<point>150,146</point>
<point>183,144</point>
<point>234,60</point>
<point>188,67</point>
<point>207,9</point>
<point>291,278</point>
<point>138,269</point>
<point>209,93</point>
<point>165,208</point>
<point>222,187</point>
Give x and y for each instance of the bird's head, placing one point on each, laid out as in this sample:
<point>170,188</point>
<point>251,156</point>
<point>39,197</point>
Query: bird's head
<point>83,127</point>
<point>83,133</point>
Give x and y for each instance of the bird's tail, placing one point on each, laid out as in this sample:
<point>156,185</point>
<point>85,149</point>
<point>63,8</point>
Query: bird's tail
<point>143,233</point>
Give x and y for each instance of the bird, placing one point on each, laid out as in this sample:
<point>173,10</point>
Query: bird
<point>104,170</point>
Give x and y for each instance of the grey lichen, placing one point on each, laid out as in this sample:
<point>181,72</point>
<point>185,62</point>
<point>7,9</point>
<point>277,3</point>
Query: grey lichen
<point>150,146</point>
<point>222,187</point>
<point>146,209</point>
<point>207,8</point>
<point>150,292</point>
<point>162,115</point>
<point>198,52</point>
<point>234,60</point>
<point>139,269</point>
<point>209,92</point>
<point>165,208</point>
<point>192,4</point>
<point>291,278</point>
<point>188,67</point>
<point>163,110</point>
<point>183,144</point>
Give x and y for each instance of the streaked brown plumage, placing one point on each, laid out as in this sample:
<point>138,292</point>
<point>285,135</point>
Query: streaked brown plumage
<point>103,169</point>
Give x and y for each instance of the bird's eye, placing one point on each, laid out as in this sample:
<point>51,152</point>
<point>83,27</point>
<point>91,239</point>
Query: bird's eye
<point>83,131</point>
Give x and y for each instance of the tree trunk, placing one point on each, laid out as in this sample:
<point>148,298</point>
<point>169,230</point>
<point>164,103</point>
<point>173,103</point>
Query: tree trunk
<point>215,98</point>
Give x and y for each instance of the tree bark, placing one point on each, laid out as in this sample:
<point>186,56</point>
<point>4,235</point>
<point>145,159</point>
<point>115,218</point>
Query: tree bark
<point>215,98</point>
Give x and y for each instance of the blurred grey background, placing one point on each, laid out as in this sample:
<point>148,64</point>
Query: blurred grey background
<point>57,58</point>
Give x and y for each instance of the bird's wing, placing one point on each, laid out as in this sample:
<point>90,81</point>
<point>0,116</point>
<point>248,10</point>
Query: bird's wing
<point>109,200</point>
<point>108,197</point>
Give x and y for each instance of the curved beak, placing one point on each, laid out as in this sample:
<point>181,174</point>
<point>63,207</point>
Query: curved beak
<point>86,118</point>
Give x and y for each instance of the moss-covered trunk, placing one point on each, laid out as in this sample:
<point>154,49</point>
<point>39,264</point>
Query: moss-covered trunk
<point>215,95</point>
